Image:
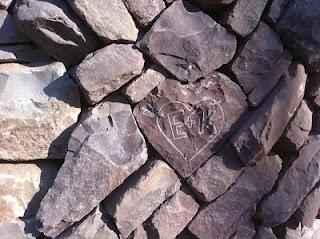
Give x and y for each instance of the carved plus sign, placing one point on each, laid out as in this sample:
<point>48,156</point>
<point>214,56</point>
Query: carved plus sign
<point>189,122</point>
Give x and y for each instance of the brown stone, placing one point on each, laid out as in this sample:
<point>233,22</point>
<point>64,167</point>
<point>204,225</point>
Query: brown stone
<point>262,130</point>
<point>187,123</point>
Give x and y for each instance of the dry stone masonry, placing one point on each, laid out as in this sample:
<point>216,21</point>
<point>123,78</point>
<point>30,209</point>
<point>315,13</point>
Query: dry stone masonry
<point>160,119</point>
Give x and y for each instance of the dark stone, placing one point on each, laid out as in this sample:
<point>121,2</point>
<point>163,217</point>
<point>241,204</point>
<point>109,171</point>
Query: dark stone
<point>276,10</point>
<point>260,64</point>
<point>187,42</point>
<point>316,122</point>
<point>265,233</point>
<point>262,130</point>
<point>186,124</point>
<point>212,5</point>
<point>293,186</point>
<point>221,218</point>
<point>245,231</point>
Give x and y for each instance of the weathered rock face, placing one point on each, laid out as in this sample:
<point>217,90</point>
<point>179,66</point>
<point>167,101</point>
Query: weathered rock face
<point>107,69</point>
<point>140,87</point>
<point>260,64</point>
<point>22,188</point>
<point>262,130</point>
<point>221,218</point>
<point>216,175</point>
<point>172,217</point>
<point>244,16</point>
<point>186,123</point>
<point>104,149</point>
<point>56,29</point>
<point>132,204</point>
<point>276,10</point>
<point>38,107</point>
<point>280,205</point>
<point>110,20</point>
<point>198,45</point>
<point>5,4</point>
<point>212,5</point>
<point>265,233</point>
<point>145,11</point>
<point>15,230</point>
<point>303,41</point>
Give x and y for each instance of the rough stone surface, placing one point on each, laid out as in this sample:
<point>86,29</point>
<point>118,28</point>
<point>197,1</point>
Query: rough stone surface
<point>22,188</point>
<point>172,217</point>
<point>110,20</point>
<point>54,27</point>
<point>221,218</point>
<point>5,4</point>
<point>107,69</point>
<point>187,123</point>
<point>262,130</point>
<point>281,204</point>
<point>15,230</point>
<point>216,175</point>
<point>245,231</point>
<point>265,233</point>
<point>212,5</point>
<point>244,16</point>
<point>260,64</point>
<point>313,88</point>
<point>140,87</point>
<point>133,203</point>
<point>139,233</point>
<point>276,10</point>
<point>38,108</point>
<point>104,149</point>
<point>198,45</point>
<point>299,28</point>
<point>145,11</point>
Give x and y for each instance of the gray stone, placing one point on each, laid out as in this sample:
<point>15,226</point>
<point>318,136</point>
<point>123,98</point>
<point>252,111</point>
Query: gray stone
<point>5,4</point>
<point>38,108</point>
<point>139,233</point>
<point>276,10</point>
<point>15,230</point>
<point>282,203</point>
<point>107,69</point>
<point>221,218</point>
<point>188,123</point>
<point>265,233</point>
<point>260,64</point>
<point>198,45</point>
<point>216,175</point>
<point>313,88</point>
<point>244,16</point>
<point>104,149</point>
<point>54,27</point>
<point>134,202</point>
<point>145,11</point>
<point>245,231</point>
<point>110,20</point>
<point>263,128</point>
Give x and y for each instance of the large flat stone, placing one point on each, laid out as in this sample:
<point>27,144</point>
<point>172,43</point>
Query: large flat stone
<point>56,29</point>
<point>110,20</point>
<point>221,218</point>
<point>104,149</point>
<point>186,124</point>
<point>282,203</point>
<point>134,202</point>
<point>262,130</point>
<point>107,69</point>
<point>187,42</point>
<point>38,108</point>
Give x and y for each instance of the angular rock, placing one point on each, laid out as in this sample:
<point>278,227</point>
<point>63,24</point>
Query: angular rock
<point>15,230</point>
<point>212,5</point>
<point>139,233</point>
<point>172,217</point>
<point>144,11</point>
<point>276,10</point>
<point>198,45</point>
<point>104,149</point>
<point>244,16</point>
<point>262,130</point>
<point>304,42</point>
<point>134,202</point>
<point>110,20</point>
<point>38,108</point>
<point>282,203</point>
<point>5,4</point>
<point>140,87</point>
<point>216,175</point>
<point>246,231</point>
<point>186,124</point>
<point>54,27</point>
<point>260,64</point>
<point>221,218</point>
<point>265,233</point>
<point>107,69</point>
<point>22,188</point>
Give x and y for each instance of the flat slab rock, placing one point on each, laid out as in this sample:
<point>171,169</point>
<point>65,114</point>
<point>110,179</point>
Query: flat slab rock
<point>107,69</point>
<point>221,218</point>
<point>56,29</point>
<point>38,108</point>
<point>198,45</point>
<point>104,149</point>
<point>133,203</point>
<point>186,123</point>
